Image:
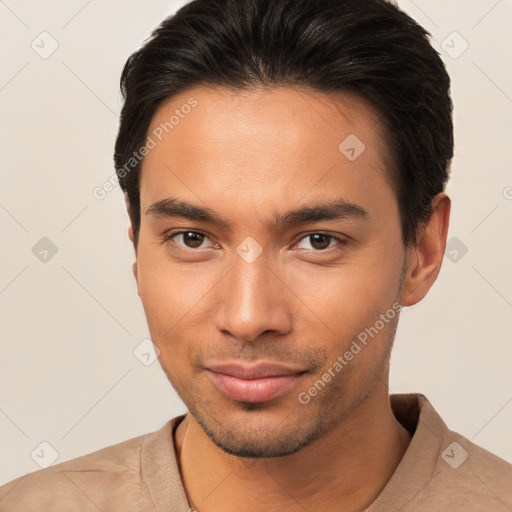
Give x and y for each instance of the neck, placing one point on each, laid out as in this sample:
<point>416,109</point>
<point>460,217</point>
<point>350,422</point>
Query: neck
<point>351,465</point>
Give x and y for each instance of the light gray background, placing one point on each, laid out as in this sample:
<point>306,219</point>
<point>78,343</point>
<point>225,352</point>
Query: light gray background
<point>68,374</point>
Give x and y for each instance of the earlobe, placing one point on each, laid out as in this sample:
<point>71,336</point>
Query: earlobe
<point>427,256</point>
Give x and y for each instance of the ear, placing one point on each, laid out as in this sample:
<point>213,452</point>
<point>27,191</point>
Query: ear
<point>134,267</point>
<point>130,236</point>
<point>425,258</point>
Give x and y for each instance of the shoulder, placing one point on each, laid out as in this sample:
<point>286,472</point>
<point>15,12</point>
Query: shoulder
<point>105,478</point>
<point>456,474</point>
<point>470,478</point>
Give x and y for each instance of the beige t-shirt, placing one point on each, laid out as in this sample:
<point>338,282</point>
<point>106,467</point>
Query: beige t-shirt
<point>440,471</point>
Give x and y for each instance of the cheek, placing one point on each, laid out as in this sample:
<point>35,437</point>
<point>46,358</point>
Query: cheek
<point>349,302</point>
<point>352,295</point>
<point>167,289</point>
<point>160,291</point>
<point>165,309</point>
<point>175,300</point>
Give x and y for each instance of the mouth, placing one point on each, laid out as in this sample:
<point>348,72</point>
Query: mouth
<point>257,383</point>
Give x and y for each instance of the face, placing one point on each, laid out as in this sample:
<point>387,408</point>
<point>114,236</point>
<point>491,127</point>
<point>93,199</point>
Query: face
<point>269,245</point>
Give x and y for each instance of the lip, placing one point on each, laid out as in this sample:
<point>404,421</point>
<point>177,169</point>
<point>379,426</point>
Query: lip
<point>255,383</point>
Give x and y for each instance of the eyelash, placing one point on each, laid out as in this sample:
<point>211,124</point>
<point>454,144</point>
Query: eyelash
<point>168,239</point>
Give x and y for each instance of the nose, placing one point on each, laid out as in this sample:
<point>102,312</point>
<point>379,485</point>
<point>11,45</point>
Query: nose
<point>253,300</point>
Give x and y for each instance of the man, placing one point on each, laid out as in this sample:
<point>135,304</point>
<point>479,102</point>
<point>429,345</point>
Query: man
<point>284,165</point>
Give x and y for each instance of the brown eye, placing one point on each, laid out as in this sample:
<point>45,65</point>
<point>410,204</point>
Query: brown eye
<point>319,241</point>
<point>192,239</point>
<point>187,241</point>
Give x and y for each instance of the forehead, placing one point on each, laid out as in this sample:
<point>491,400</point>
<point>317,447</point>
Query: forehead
<point>262,145</point>
<point>297,111</point>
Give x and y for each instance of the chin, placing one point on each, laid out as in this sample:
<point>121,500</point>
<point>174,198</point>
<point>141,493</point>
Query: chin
<point>261,438</point>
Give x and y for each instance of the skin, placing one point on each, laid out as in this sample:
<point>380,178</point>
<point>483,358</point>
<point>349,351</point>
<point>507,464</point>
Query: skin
<point>248,156</point>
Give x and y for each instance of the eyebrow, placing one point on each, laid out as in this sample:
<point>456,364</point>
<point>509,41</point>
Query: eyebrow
<point>338,209</point>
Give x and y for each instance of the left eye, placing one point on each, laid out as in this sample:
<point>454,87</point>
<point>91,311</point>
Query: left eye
<point>319,241</point>
<point>188,239</point>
